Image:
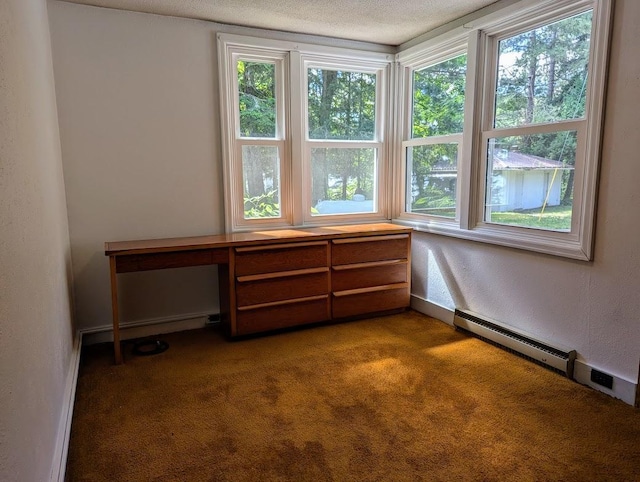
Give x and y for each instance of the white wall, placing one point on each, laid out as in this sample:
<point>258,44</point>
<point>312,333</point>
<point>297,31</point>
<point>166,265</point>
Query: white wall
<point>140,142</point>
<point>592,307</point>
<point>139,119</point>
<point>35,300</point>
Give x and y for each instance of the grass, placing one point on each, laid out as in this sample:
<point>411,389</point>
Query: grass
<point>556,218</point>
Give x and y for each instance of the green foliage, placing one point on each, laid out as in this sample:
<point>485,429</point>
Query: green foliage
<point>341,104</point>
<point>542,74</point>
<point>435,201</point>
<point>263,206</point>
<point>257,99</point>
<point>438,98</point>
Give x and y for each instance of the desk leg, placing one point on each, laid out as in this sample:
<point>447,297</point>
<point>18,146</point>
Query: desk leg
<point>114,310</point>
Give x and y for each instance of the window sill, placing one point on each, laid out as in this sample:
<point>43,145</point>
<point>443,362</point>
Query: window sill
<point>566,245</point>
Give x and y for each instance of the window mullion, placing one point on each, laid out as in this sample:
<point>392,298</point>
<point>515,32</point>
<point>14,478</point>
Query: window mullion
<point>468,167</point>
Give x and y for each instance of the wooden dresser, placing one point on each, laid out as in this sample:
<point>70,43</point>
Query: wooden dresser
<point>283,278</point>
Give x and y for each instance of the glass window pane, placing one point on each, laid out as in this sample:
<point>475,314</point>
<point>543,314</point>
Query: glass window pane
<point>343,180</point>
<point>433,175</point>
<point>530,180</point>
<point>261,181</point>
<point>257,99</point>
<point>342,105</point>
<point>438,98</point>
<point>542,73</point>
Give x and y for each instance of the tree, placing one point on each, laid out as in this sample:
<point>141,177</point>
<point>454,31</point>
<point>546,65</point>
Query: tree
<point>341,106</point>
<point>542,78</point>
<point>438,109</point>
<point>257,105</point>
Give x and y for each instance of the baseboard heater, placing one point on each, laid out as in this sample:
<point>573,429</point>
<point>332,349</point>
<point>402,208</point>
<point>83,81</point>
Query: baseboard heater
<point>558,360</point>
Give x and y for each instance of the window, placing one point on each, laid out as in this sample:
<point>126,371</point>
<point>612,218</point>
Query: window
<point>509,153</point>
<point>431,152</point>
<point>304,135</point>
<point>343,143</point>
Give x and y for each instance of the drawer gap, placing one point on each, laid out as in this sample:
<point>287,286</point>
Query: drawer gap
<point>370,289</point>
<point>284,302</point>
<point>281,274</point>
<point>370,264</point>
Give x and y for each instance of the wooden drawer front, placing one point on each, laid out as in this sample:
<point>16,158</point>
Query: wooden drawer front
<point>370,300</point>
<point>180,259</point>
<point>258,289</point>
<point>364,275</point>
<point>282,315</point>
<point>371,248</point>
<point>281,257</point>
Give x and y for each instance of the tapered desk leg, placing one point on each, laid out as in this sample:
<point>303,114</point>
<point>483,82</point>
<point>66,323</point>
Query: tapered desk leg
<point>114,310</point>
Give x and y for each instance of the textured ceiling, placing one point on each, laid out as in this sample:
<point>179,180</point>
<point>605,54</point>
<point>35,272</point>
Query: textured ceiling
<point>389,22</point>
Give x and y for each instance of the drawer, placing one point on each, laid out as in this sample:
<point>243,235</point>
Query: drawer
<point>273,316</point>
<point>370,248</point>
<point>364,275</point>
<point>265,288</point>
<point>179,259</point>
<point>370,300</point>
<point>281,257</point>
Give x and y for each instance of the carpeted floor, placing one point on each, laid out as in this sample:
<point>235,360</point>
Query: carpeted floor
<point>398,398</point>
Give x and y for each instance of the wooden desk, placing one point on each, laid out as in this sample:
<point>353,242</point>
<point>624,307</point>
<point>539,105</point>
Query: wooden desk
<point>282,278</point>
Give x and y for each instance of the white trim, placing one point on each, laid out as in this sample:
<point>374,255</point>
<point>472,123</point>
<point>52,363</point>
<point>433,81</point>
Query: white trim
<point>59,465</point>
<point>482,35</point>
<point>624,390</point>
<point>294,58</point>
<point>432,309</point>
<point>148,327</point>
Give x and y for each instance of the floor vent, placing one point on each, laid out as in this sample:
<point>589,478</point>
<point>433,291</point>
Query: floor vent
<point>558,360</point>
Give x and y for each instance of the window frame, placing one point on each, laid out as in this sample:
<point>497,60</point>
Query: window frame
<point>295,180</point>
<point>450,48</point>
<point>381,71</point>
<point>483,36</point>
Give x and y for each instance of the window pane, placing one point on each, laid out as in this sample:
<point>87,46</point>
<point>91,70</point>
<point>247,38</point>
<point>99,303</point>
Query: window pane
<point>433,174</point>
<point>261,181</point>
<point>343,180</point>
<point>342,105</point>
<point>530,180</point>
<point>257,99</point>
<point>542,74</point>
<point>438,98</point>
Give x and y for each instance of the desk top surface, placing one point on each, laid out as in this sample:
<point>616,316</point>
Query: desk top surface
<point>144,246</point>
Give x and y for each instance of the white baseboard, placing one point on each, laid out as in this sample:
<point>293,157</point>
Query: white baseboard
<point>142,328</point>
<point>622,389</point>
<point>431,309</point>
<point>59,465</point>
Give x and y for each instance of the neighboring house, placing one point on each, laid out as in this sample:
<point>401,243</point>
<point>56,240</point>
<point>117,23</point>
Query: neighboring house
<point>525,181</point>
<point>520,181</point>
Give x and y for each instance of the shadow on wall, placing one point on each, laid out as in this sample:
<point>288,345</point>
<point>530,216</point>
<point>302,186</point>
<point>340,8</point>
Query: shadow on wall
<point>435,281</point>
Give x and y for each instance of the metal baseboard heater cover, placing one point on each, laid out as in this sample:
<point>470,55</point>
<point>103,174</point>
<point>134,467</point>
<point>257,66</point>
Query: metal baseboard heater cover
<point>559,360</point>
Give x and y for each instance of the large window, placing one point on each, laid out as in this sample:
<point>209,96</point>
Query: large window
<point>432,151</point>
<point>304,133</point>
<point>343,140</point>
<point>509,154</point>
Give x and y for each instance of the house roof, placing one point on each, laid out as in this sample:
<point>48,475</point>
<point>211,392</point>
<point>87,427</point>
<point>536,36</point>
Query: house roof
<point>504,160</point>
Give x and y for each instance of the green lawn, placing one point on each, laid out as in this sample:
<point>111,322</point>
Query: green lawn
<point>557,218</point>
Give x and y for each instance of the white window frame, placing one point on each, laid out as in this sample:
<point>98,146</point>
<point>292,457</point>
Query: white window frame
<point>483,35</point>
<point>380,70</point>
<point>292,131</point>
<point>451,47</point>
